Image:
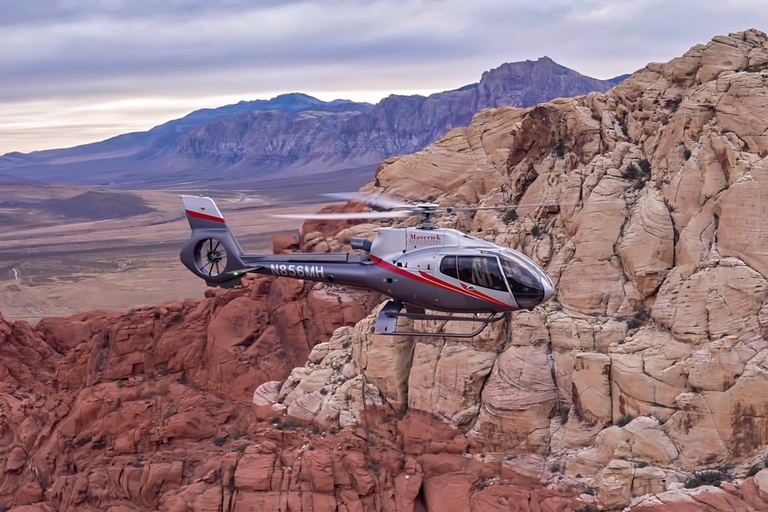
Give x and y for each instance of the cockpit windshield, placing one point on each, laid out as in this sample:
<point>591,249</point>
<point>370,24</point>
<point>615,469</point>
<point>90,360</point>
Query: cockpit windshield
<point>483,270</point>
<point>525,284</point>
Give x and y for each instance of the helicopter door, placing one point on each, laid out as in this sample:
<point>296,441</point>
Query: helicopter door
<point>477,275</point>
<point>450,275</point>
<point>482,271</point>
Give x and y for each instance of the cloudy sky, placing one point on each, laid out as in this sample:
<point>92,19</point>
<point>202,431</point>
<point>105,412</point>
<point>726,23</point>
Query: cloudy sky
<point>77,71</point>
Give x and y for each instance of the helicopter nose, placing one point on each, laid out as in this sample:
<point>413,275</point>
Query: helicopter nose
<point>549,290</point>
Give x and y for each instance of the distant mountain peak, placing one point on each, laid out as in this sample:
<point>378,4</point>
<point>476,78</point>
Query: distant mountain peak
<point>295,133</point>
<point>295,97</point>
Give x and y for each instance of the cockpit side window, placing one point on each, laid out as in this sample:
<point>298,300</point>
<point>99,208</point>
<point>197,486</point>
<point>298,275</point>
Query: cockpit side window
<point>481,271</point>
<point>525,286</point>
<point>448,267</point>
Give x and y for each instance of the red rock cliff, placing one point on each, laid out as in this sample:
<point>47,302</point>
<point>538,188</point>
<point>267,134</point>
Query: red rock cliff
<point>647,374</point>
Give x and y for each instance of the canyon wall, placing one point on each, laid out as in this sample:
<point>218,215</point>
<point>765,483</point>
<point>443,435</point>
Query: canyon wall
<point>641,383</point>
<point>645,206</point>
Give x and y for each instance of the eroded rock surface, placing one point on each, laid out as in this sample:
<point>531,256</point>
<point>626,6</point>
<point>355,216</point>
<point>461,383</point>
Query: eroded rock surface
<point>641,383</point>
<point>649,366</point>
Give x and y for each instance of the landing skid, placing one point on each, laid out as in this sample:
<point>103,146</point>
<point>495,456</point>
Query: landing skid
<point>386,322</point>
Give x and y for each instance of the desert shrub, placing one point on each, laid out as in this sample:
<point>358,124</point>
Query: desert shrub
<point>631,172</point>
<point>707,477</point>
<point>624,420</point>
<point>640,318</point>
<point>510,216</point>
<point>218,441</point>
<point>535,231</point>
<point>560,148</point>
<point>754,470</point>
<point>289,424</point>
<point>639,173</point>
<point>673,104</point>
<point>686,153</point>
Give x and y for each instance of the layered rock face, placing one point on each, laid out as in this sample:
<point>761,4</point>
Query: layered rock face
<point>645,374</point>
<point>115,409</point>
<point>644,204</point>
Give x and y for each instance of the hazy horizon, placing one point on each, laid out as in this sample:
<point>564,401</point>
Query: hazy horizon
<point>80,72</point>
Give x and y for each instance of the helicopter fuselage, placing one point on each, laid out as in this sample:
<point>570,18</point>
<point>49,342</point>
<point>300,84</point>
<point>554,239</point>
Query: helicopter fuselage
<point>435,269</point>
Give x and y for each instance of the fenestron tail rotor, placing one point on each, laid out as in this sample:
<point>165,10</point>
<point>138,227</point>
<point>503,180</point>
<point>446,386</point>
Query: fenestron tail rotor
<point>210,257</point>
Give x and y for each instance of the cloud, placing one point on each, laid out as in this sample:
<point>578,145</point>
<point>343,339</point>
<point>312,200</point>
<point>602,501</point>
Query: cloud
<point>107,50</point>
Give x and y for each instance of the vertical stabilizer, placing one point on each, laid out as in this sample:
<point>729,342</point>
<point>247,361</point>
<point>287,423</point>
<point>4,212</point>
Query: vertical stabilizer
<point>212,252</point>
<point>202,213</point>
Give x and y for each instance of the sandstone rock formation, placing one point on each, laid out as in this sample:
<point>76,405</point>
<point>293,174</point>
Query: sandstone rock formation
<point>650,366</point>
<point>637,388</point>
<point>98,409</point>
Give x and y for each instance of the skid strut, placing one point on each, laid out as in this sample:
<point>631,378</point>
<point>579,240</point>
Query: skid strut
<point>386,322</point>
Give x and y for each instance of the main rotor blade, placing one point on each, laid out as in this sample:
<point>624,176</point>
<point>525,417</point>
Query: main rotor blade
<point>370,199</point>
<point>451,209</point>
<point>344,216</point>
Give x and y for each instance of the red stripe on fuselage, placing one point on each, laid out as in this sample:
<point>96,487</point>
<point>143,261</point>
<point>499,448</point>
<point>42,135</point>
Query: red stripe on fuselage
<point>433,281</point>
<point>463,290</point>
<point>203,216</point>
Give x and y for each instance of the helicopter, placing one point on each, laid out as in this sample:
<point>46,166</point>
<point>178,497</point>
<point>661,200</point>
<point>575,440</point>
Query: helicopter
<point>420,268</point>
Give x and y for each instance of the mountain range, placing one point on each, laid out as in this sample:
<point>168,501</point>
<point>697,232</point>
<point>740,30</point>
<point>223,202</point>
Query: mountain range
<point>293,136</point>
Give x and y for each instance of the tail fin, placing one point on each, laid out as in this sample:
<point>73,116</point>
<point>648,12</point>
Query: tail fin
<point>202,213</point>
<point>212,252</point>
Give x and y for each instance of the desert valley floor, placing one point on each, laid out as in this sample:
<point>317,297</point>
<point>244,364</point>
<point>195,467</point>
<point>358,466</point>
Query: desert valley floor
<point>63,251</point>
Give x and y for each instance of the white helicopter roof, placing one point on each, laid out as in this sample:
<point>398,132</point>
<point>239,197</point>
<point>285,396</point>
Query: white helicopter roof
<point>393,242</point>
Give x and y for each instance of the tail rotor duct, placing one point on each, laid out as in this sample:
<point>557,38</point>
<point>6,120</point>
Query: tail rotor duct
<point>210,257</point>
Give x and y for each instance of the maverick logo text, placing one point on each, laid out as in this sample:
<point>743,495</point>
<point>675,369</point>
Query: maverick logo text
<point>420,239</point>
